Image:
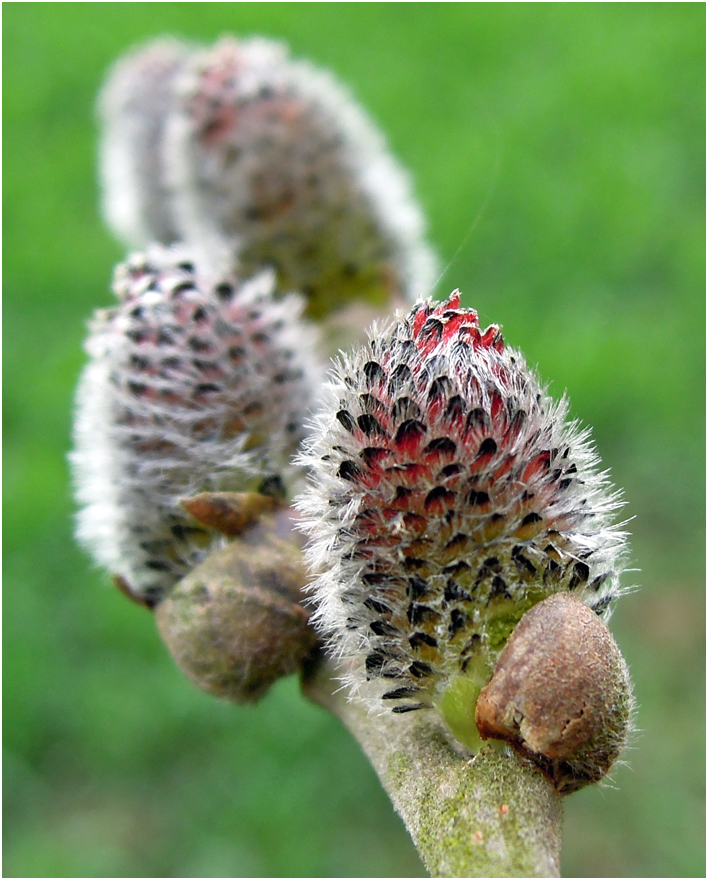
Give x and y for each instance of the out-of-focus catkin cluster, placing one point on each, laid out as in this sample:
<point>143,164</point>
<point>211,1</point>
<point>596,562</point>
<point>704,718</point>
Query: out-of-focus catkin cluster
<point>449,495</point>
<point>255,156</point>
<point>195,383</point>
<point>462,540</point>
<point>241,175</point>
<point>134,105</point>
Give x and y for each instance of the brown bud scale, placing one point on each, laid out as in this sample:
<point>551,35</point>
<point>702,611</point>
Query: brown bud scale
<point>560,693</point>
<point>230,513</point>
<point>235,624</point>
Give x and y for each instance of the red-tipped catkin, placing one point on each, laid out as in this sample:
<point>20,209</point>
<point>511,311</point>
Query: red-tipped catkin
<point>248,150</point>
<point>195,384</point>
<point>449,495</point>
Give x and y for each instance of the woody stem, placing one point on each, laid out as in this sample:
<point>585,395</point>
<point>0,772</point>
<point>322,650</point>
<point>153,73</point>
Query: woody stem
<point>484,816</point>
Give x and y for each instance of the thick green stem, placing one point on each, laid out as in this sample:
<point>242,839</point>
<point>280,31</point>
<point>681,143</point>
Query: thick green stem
<point>486,816</point>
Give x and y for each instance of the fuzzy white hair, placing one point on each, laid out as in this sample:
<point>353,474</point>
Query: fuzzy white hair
<point>446,488</point>
<point>241,147</point>
<point>194,384</point>
<point>133,106</point>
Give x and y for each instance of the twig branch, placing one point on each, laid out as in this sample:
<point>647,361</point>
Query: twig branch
<point>487,816</point>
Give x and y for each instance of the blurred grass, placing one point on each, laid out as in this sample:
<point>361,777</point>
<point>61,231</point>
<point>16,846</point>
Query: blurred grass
<point>558,150</point>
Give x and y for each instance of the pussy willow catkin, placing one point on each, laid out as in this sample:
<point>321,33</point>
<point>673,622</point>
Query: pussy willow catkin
<point>255,153</point>
<point>195,383</point>
<point>449,495</point>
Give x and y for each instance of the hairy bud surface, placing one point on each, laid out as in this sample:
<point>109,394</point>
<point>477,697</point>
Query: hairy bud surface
<point>449,495</point>
<point>194,384</point>
<point>241,150</point>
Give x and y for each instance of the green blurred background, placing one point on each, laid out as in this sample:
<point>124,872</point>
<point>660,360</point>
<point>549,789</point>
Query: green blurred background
<point>558,151</point>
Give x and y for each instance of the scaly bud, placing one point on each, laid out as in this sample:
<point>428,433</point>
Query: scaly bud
<point>194,384</point>
<point>273,155</point>
<point>560,693</point>
<point>236,624</point>
<point>449,495</point>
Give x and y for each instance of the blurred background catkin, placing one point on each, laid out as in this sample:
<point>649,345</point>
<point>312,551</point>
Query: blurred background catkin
<point>558,152</point>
